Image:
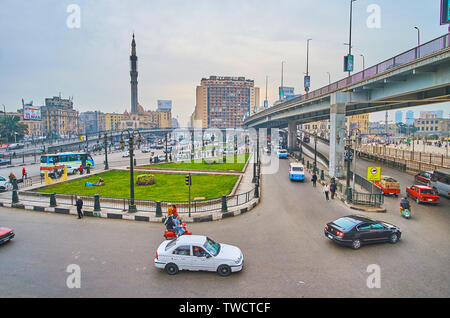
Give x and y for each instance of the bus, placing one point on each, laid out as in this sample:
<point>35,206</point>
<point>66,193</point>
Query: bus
<point>71,160</point>
<point>440,182</point>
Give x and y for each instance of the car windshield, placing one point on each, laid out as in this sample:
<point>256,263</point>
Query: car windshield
<point>212,246</point>
<point>2,179</point>
<point>297,169</point>
<point>345,223</point>
<point>282,151</point>
<point>427,191</point>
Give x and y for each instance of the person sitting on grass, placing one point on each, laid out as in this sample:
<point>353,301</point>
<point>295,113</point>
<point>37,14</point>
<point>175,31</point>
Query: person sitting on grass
<point>100,182</point>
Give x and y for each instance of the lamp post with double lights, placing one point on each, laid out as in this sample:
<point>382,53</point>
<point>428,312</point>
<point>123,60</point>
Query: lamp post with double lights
<point>418,41</point>
<point>131,136</point>
<point>105,145</point>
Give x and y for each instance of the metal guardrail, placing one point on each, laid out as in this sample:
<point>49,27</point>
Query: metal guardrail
<point>370,199</point>
<point>389,65</point>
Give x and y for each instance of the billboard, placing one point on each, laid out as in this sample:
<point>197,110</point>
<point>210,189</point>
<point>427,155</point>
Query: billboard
<point>31,112</point>
<point>286,92</point>
<point>445,12</point>
<point>165,105</point>
<point>348,63</point>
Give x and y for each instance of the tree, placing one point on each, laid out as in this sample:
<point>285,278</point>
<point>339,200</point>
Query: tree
<point>11,125</point>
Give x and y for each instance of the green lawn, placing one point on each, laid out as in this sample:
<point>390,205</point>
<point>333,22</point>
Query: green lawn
<point>234,163</point>
<point>168,187</point>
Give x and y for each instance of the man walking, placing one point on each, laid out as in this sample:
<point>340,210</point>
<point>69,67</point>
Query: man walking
<point>333,190</point>
<point>314,179</point>
<point>79,207</point>
<point>326,189</point>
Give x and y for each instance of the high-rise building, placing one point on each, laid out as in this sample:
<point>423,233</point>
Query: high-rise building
<point>409,117</point>
<point>59,118</point>
<point>223,101</point>
<point>398,116</point>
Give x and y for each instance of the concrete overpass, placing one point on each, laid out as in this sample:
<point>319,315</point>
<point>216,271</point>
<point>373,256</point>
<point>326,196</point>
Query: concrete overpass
<point>419,76</point>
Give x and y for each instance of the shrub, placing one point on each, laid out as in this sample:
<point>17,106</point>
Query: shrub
<point>145,179</point>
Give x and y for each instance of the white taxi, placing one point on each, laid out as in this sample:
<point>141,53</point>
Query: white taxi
<point>198,253</point>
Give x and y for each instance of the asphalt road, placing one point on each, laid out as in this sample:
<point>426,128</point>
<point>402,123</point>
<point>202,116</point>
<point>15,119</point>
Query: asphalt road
<point>285,251</point>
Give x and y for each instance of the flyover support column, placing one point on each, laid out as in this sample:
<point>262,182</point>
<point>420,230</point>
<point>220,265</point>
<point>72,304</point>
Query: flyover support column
<point>338,103</point>
<point>292,135</point>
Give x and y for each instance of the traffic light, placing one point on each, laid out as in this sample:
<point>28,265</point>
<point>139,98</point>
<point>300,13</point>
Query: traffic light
<point>188,180</point>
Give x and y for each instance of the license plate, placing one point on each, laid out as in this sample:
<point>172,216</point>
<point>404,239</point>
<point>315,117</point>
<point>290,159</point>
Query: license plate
<point>330,236</point>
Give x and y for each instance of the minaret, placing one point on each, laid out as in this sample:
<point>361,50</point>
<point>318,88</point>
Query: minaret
<point>134,75</point>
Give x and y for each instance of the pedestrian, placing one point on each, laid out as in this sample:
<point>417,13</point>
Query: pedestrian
<point>81,169</point>
<point>79,204</point>
<point>333,190</point>
<point>24,173</point>
<point>314,179</point>
<point>326,189</point>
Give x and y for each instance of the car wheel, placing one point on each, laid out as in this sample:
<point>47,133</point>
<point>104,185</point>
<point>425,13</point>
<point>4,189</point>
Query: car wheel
<point>171,269</point>
<point>393,238</point>
<point>224,270</point>
<point>356,244</point>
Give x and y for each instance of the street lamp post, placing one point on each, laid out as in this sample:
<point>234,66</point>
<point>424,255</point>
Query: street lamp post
<point>357,140</point>
<point>418,41</point>
<point>315,153</point>
<point>131,136</point>
<point>350,32</point>
<point>364,62</point>
<point>105,145</point>
<point>307,64</point>
<point>329,78</point>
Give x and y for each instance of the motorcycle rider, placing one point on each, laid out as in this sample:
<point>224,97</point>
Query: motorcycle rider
<point>170,224</point>
<point>404,205</point>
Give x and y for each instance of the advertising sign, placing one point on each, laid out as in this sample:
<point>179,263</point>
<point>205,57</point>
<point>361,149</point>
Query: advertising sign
<point>307,81</point>
<point>373,173</point>
<point>348,63</point>
<point>445,12</point>
<point>31,112</point>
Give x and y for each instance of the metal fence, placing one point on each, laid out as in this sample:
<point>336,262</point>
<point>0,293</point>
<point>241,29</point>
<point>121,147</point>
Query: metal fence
<point>371,199</point>
<point>122,204</point>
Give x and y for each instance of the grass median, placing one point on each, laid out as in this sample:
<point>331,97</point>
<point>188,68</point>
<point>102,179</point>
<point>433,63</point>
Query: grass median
<point>168,187</point>
<point>232,163</point>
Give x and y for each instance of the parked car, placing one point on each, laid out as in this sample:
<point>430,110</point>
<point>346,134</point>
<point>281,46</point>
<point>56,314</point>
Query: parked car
<point>356,230</point>
<point>4,162</point>
<point>422,194</point>
<point>145,150</point>
<point>125,154</point>
<point>6,235</point>
<point>423,177</point>
<point>198,253</point>
<point>5,184</point>
<point>440,182</point>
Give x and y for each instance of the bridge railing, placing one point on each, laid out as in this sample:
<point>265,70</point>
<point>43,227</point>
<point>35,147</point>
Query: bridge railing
<point>418,52</point>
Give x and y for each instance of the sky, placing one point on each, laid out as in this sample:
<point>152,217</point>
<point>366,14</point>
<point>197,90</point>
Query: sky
<point>179,42</point>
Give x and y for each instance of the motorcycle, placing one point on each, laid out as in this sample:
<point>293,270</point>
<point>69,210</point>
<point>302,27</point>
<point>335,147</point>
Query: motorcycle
<point>406,213</point>
<point>170,234</point>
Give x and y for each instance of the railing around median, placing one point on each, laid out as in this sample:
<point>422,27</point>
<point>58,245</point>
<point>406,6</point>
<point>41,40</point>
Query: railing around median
<point>122,204</point>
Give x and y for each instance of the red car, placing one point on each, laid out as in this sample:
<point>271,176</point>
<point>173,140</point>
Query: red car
<point>422,194</point>
<point>423,177</point>
<point>5,235</point>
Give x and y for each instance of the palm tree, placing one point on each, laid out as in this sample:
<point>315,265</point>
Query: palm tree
<point>11,125</point>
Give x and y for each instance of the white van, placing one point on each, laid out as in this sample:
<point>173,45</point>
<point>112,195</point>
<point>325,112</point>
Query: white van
<point>296,171</point>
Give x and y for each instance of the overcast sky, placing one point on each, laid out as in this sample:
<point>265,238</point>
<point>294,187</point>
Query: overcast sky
<point>181,41</point>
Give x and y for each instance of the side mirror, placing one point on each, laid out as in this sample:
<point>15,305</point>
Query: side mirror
<point>208,256</point>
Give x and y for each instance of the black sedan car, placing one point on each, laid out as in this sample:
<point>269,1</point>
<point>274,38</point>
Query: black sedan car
<point>356,230</point>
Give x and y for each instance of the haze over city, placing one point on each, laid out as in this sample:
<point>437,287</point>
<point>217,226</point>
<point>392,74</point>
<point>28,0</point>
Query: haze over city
<point>181,42</point>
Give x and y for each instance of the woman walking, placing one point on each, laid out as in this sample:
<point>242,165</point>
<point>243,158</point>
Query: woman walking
<point>326,189</point>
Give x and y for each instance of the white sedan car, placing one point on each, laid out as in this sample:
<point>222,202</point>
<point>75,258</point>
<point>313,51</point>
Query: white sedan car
<point>198,253</point>
<point>5,185</point>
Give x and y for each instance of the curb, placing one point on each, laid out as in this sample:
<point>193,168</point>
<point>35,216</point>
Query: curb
<point>214,216</point>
